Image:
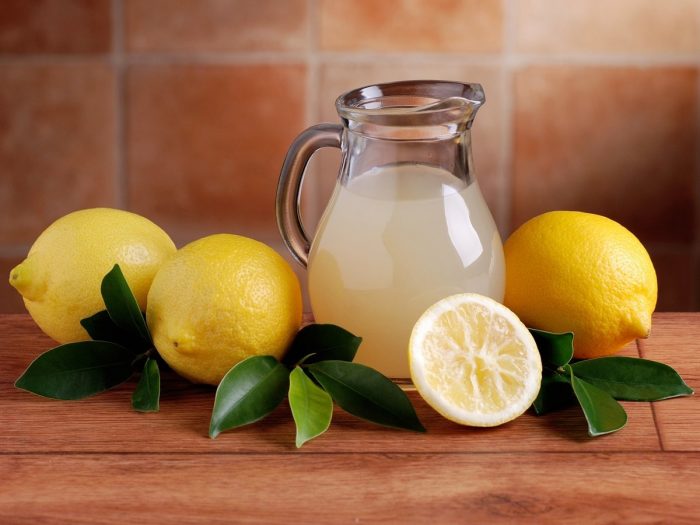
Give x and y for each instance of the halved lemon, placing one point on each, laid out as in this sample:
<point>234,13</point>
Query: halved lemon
<point>474,361</point>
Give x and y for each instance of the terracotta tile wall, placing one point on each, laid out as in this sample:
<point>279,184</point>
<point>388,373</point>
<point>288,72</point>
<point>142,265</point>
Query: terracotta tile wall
<point>182,110</point>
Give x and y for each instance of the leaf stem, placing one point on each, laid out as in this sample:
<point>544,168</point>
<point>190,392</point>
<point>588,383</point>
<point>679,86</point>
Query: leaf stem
<point>142,357</point>
<point>302,361</point>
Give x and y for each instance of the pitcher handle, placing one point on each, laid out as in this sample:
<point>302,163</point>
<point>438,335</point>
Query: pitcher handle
<point>289,186</point>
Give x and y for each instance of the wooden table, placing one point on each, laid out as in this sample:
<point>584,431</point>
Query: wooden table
<point>97,461</point>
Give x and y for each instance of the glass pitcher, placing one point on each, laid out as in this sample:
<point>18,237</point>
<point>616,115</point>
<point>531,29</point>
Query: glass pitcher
<point>406,225</point>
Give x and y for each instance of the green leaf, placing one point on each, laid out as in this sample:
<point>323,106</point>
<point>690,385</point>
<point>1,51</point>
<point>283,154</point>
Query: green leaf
<point>77,370</point>
<point>555,393</point>
<point>366,393</point>
<point>100,327</point>
<point>555,349</point>
<point>248,392</point>
<point>631,378</point>
<point>146,397</point>
<point>603,413</point>
<point>122,306</point>
<point>312,407</point>
<point>322,342</point>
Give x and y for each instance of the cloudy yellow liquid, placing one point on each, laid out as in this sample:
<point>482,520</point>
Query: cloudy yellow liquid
<point>393,241</point>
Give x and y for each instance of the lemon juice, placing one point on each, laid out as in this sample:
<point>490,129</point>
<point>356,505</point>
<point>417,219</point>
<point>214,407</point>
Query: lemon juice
<point>399,238</point>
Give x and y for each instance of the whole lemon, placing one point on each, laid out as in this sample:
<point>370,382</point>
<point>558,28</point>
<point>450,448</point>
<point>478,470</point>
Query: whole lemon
<point>219,300</point>
<point>60,278</point>
<point>580,272</point>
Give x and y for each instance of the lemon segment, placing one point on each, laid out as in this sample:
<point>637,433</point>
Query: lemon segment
<point>474,361</point>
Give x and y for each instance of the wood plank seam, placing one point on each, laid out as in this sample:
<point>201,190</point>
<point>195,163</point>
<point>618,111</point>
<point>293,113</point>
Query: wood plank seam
<point>187,453</point>
<point>658,430</point>
<point>639,345</point>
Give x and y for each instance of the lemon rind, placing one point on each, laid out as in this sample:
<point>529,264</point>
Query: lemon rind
<point>438,402</point>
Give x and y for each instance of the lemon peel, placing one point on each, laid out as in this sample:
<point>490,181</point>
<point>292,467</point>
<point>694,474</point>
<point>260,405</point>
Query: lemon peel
<point>581,272</point>
<point>61,276</point>
<point>474,361</point>
<point>219,300</point>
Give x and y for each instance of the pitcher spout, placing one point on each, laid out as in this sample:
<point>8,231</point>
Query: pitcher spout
<point>415,103</point>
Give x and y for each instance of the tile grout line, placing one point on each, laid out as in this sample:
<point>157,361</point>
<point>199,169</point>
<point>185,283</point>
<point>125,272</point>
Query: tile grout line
<point>55,59</point>
<point>669,246</point>
<point>604,60</point>
<point>14,250</point>
<point>696,244</point>
<point>505,200</point>
<point>252,57</point>
<point>120,107</point>
<point>312,63</point>
<point>474,59</point>
<point>312,94</point>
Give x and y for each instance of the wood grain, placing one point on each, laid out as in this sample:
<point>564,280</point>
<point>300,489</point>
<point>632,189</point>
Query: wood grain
<point>106,423</point>
<point>350,488</point>
<point>96,461</point>
<point>675,340</point>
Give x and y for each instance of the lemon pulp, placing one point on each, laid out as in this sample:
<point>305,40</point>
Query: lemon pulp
<point>474,361</point>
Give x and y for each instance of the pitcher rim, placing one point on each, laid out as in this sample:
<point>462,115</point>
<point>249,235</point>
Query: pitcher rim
<point>443,102</point>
